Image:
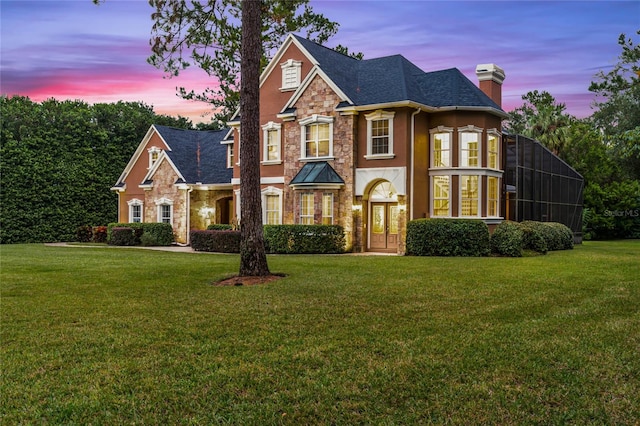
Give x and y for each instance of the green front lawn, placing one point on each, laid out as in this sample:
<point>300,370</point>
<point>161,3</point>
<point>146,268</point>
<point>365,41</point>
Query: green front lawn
<point>133,336</point>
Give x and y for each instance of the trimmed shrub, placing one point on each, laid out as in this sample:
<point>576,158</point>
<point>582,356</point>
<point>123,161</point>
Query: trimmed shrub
<point>219,227</point>
<point>157,234</point>
<point>507,239</point>
<point>448,237</point>
<point>227,241</point>
<point>298,239</point>
<point>84,234</point>
<point>564,235</point>
<point>123,236</point>
<point>99,234</point>
<point>534,237</point>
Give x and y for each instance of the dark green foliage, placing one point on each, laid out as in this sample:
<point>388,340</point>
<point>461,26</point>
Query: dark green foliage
<point>156,234</point>
<point>122,236</point>
<point>563,235</point>
<point>219,227</point>
<point>448,237</point>
<point>507,239</point>
<point>220,241</point>
<point>84,234</point>
<point>58,161</point>
<point>546,236</point>
<point>146,234</point>
<point>297,239</point>
<point>533,237</point>
<point>99,234</point>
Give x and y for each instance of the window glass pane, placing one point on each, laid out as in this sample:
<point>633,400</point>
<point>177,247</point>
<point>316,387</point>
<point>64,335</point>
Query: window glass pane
<point>273,145</point>
<point>380,137</point>
<point>440,195</point>
<point>378,219</point>
<point>272,209</point>
<point>306,209</point>
<point>469,195</point>
<point>327,209</point>
<point>393,219</point>
<point>492,160</point>
<point>441,150</point>
<point>492,196</point>
<point>469,149</point>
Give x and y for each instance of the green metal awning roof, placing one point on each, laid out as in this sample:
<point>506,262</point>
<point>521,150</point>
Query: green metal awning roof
<point>317,174</point>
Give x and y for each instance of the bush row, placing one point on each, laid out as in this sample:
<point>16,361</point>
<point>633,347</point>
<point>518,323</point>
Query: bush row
<point>145,234</point>
<point>511,238</point>
<point>284,239</point>
<point>91,234</point>
<point>448,237</point>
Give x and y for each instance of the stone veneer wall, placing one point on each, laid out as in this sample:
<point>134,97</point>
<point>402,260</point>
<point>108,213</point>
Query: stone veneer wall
<point>164,187</point>
<point>320,99</point>
<point>206,199</point>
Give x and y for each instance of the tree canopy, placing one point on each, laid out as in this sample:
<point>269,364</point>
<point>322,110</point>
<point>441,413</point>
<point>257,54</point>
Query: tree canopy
<point>208,34</point>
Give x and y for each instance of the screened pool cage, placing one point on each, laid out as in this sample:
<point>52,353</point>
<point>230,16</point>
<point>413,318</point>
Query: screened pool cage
<point>540,186</point>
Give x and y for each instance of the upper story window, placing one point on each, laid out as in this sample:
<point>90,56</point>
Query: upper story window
<point>154,153</point>
<point>317,137</point>
<point>441,146</point>
<point>230,156</point>
<point>470,146</point>
<point>272,145</point>
<point>135,210</point>
<point>493,149</point>
<point>380,134</point>
<point>291,74</point>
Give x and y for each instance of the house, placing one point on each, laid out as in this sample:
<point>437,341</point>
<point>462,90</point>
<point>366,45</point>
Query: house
<point>177,176</point>
<point>371,144</point>
<point>365,144</point>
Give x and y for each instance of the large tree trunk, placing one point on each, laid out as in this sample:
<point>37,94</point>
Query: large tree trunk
<point>253,259</point>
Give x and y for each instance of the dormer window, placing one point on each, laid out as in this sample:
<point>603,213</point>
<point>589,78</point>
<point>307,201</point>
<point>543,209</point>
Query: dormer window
<point>291,74</point>
<point>154,153</point>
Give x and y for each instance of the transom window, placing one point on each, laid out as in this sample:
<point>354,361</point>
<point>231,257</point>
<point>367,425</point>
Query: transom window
<point>327,209</point>
<point>306,208</point>
<point>441,196</point>
<point>441,147</point>
<point>380,134</point>
<point>317,137</point>
<point>492,196</point>
<point>271,136</point>
<point>493,146</point>
<point>470,146</point>
<point>469,195</point>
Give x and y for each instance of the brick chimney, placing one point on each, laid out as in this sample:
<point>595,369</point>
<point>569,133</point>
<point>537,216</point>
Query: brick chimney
<point>491,77</point>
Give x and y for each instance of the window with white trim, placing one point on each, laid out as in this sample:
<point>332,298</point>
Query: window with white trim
<point>470,146</point>
<point>230,156</point>
<point>306,208</point>
<point>135,210</point>
<point>469,195</point>
<point>327,209</point>
<point>440,195</point>
<point>493,197</point>
<point>493,149</point>
<point>291,74</point>
<point>154,153</point>
<point>380,134</point>
<point>272,206</point>
<point>441,146</point>
<point>165,210</point>
<point>317,137</point>
<point>271,135</point>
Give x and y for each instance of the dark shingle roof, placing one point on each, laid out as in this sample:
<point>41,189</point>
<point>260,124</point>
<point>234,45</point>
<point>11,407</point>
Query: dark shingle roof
<point>394,79</point>
<point>198,154</point>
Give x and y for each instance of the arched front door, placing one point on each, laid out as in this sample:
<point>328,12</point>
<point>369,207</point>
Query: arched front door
<point>383,218</point>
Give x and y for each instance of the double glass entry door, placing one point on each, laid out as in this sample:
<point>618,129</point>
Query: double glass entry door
<point>383,235</point>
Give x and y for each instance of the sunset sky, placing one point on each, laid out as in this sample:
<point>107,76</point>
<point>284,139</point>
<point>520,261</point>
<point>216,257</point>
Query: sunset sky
<point>74,49</point>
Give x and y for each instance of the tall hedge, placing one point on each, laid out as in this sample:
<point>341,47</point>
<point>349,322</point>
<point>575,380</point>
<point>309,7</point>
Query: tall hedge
<point>58,161</point>
<point>448,237</point>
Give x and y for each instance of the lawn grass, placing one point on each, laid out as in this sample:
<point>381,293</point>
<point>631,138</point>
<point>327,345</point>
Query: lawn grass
<point>133,336</point>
